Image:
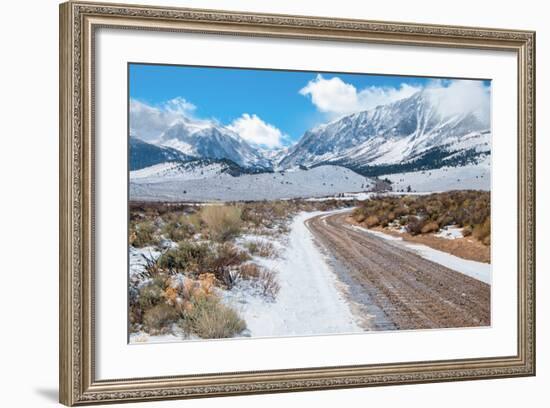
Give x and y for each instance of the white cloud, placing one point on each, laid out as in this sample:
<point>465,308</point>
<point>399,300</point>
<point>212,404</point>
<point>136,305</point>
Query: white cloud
<point>254,130</point>
<point>180,106</point>
<point>148,122</point>
<point>335,97</point>
<point>461,96</point>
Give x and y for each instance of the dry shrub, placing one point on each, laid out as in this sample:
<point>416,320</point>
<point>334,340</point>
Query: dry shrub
<point>268,284</point>
<point>194,259</point>
<point>467,230</point>
<point>372,221</point>
<point>281,208</point>
<point>193,304</point>
<point>188,257</point>
<point>143,234</point>
<point>223,222</point>
<point>151,294</point>
<point>207,282</point>
<point>179,229</point>
<point>414,226</point>
<point>249,271</point>
<point>208,318</point>
<point>482,232</point>
<point>420,213</point>
<point>170,294</point>
<point>228,257</point>
<point>159,318</point>
<point>264,249</point>
<point>429,227</point>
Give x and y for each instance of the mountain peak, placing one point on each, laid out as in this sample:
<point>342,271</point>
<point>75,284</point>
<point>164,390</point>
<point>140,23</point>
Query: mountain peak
<point>390,134</point>
<point>210,140</point>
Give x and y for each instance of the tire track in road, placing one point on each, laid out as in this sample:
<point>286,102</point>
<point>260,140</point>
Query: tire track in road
<point>411,291</point>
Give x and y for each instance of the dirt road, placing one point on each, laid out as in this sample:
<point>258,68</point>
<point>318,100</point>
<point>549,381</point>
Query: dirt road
<point>393,288</point>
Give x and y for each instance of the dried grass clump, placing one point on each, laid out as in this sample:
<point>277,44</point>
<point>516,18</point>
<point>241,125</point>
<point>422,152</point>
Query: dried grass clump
<point>431,226</point>
<point>249,271</point>
<point>264,249</point>
<point>372,221</point>
<point>483,232</point>
<point>223,222</point>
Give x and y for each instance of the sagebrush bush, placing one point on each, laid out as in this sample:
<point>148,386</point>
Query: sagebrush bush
<point>208,318</point>
<point>179,229</point>
<point>414,225</point>
<point>151,294</point>
<point>159,318</point>
<point>143,234</point>
<point>188,256</point>
<point>223,221</point>
<point>264,249</point>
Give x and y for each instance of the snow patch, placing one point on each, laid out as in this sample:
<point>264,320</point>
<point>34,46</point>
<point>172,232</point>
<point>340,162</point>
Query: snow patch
<point>450,232</point>
<point>474,177</point>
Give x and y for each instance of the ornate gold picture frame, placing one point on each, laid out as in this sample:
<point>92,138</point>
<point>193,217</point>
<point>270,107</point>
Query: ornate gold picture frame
<point>78,24</point>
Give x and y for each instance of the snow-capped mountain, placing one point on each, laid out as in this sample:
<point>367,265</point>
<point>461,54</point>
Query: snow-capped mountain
<point>412,134</point>
<point>409,134</point>
<point>143,154</point>
<point>209,140</point>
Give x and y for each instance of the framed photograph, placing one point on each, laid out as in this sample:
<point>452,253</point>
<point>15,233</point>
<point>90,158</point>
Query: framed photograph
<point>256,203</point>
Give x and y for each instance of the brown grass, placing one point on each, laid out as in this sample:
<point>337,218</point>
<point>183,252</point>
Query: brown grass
<point>249,271</point>
<point>223,222</point>
<point>261,248</point>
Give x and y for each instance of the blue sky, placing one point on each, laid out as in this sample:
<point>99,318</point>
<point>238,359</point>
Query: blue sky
<point>288,101</point>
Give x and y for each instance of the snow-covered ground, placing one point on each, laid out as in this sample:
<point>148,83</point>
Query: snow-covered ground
<point>450,232</point>
<point>174,171</point>
<point>317,182</point>
<point>477,270</point>
<point>474,177</point>
<point>138,259</point>
<point>309,300</point>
